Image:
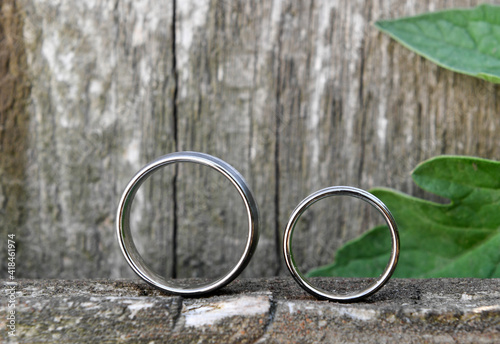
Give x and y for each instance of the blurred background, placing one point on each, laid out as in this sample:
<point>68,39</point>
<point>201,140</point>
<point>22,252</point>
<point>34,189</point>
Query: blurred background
<point>296,95</point>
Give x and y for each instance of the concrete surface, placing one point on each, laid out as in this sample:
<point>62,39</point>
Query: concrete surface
<point>252,311</point>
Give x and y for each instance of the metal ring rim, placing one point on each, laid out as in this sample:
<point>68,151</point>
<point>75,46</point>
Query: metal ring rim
<point>129,249</point>
<point>341,191</point>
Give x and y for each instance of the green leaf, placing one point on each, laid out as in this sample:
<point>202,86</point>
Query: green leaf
<point>462,40</point>
<point>458,239</point>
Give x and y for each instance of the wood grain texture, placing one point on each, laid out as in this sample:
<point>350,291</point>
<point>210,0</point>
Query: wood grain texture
<point>264,310</point>
<point>14,122</point>
<point>296,95</point>
<point>101,108</point>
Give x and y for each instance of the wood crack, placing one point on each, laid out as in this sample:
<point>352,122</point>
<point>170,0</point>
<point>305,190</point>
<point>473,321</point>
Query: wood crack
<point>176,145</point>
<point>278,114</point>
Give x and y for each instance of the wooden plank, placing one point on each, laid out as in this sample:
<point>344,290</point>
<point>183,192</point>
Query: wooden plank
<point>14,122</point>
<point>270,310</point>
<point>101,105</point>
<point>361,110</point>
<point>225,109</point>
<point>296,95</point>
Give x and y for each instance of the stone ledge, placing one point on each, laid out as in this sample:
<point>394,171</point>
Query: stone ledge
<point>254,311</point>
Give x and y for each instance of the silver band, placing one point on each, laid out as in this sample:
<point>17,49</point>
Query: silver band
<point>129,249</point>
<point>340,191</point>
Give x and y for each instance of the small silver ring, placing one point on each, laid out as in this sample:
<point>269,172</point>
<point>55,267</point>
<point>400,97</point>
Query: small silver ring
<point>340,191</point>
<point>130,251</point>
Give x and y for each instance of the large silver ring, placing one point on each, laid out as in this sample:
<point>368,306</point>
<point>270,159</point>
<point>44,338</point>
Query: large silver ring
<point>130,251</point>
<point>340,191</point>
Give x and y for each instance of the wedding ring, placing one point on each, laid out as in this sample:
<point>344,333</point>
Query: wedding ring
<point>130,251</point>
<point>340,191</point>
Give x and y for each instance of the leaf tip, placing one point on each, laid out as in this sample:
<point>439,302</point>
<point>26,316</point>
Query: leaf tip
<point>380,191</point>
<point>381,25</point>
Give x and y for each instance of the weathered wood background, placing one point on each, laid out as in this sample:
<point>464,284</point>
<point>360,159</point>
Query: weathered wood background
<point>296,95</point>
